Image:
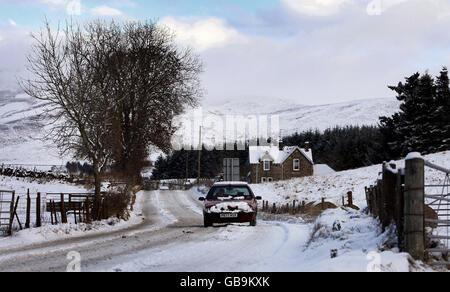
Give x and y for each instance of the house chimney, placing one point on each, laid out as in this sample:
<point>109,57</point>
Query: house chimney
<point>307,146</point>
<point>281,144</point>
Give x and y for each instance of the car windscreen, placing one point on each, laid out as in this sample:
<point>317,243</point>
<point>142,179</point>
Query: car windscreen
<point>229,193</point>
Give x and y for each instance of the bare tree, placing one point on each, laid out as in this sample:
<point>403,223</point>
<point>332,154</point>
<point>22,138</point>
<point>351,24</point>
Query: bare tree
<point>150,81</point>
<point>112,90</point>
<point>65,76</point>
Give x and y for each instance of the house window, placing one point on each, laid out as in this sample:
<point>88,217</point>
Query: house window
<point>266,165</point>
<point>296,164</point>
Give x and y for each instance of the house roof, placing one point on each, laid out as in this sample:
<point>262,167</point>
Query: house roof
<point>278,156</point>
<point>323,169</point>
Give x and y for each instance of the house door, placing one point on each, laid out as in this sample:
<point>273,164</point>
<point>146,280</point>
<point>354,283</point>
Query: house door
<point>231,169</point>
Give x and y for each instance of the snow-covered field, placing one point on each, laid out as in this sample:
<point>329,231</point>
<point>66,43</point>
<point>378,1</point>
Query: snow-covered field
<point>21,185</point>
<point>335,185</point>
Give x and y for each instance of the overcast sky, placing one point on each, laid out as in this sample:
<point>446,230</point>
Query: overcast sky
<point>304,51</point>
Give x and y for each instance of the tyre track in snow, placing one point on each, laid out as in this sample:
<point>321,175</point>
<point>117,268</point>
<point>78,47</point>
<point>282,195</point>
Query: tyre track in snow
<point>172,238</point>
<point>97,248</point>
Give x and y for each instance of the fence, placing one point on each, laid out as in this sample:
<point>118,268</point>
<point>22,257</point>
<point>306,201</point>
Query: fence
<point>400,196</point>
<point>76,207</point>
<point>437,216</point>
<point>28,210</point>
<point>6,211</point>
<point>175,184</point>
<point>311,208</point>
<point>24,210</point>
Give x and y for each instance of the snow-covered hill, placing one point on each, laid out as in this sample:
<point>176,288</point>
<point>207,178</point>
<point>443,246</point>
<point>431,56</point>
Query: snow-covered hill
<point>21,132</point>
<point>296,117</point>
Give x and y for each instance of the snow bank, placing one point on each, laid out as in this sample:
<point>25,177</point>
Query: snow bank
<point>348,240</point>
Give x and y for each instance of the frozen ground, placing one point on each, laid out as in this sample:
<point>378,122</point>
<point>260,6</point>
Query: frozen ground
<point>172,238</point>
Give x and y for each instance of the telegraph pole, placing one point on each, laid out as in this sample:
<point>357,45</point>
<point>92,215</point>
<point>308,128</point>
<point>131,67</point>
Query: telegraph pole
<point>187,165</point>
<point>199,153</point>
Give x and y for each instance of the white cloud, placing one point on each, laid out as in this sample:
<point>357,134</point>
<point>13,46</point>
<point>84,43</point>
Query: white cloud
<point>72,7</point>
<point>106,11</point>
<point>316,7</point>
<point>54,2</point>
<point>203,34</point>
<point>377,7</point>
<point>331,7</point>
<point>12,22</point>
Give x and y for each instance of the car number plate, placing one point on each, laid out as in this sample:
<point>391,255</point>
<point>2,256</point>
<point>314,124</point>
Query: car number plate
<point>229,215</point>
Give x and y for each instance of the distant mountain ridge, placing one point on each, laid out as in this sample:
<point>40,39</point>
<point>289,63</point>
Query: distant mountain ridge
<point>21,130</point>
<point>298,118</point>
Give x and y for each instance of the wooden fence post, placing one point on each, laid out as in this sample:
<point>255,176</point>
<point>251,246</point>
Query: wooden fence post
<point>38,210</point>
<point>414,206</point>
<point>350,198</point>
<point>399,211</point>
<point>86,204</point>
<point>384,218</point>
<point>374,201</point>
<point>80,211</point>
<point>389,180</point>
<point>380,202</point>
<point>27,221</point>
<point>15,212</point>
<point>11,217</point>
<point>63,210</point>
<point>55,214</point>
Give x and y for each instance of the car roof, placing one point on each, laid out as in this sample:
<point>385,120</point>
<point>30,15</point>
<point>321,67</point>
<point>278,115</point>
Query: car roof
<point>230,183</point>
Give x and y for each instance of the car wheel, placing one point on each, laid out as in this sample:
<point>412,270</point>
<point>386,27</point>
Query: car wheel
<point>206,223</point>
<point>253,222</point>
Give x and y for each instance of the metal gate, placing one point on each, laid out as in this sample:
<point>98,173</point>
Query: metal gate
<point>6,211</point>
<point>437,216</point>
<point>231,169</point>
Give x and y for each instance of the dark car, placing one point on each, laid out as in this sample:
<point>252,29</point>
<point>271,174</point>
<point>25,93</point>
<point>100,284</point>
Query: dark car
<point>230,202</point>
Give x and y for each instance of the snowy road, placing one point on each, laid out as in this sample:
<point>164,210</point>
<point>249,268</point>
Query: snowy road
<point>171,238</point>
